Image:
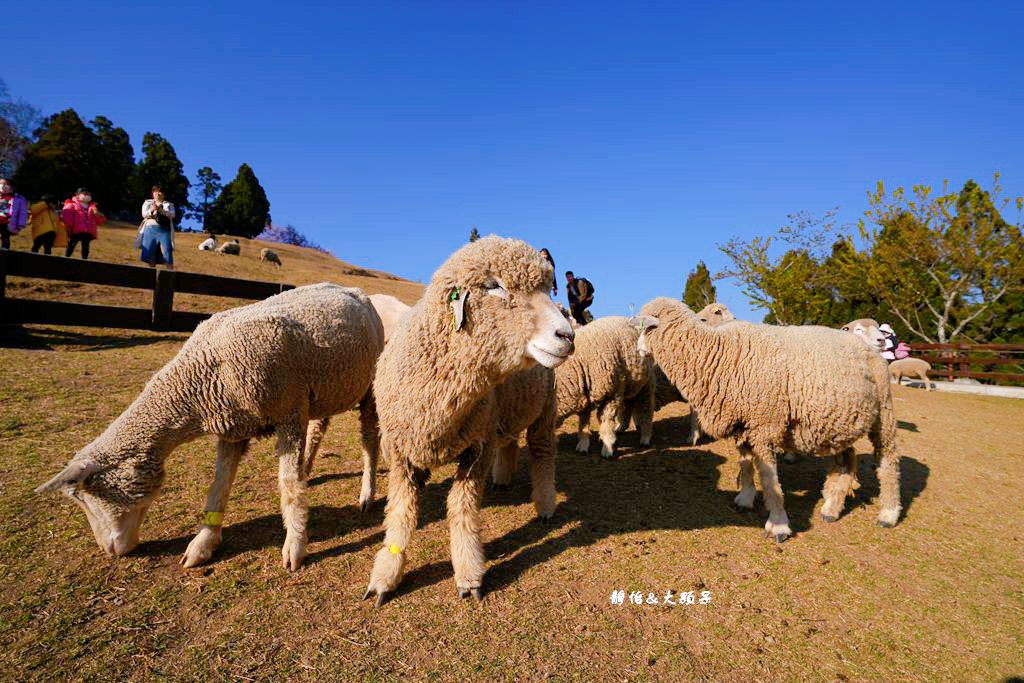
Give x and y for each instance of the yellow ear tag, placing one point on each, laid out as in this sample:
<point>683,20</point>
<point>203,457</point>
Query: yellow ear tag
<point>395,550</point>
<point>213,518</point>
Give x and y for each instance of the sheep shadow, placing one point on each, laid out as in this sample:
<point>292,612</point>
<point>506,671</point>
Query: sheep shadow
<point>47,339</point>
<point>325,523</point>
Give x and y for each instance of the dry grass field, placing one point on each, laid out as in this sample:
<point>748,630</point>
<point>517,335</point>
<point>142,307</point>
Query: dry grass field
<point>940,597</point>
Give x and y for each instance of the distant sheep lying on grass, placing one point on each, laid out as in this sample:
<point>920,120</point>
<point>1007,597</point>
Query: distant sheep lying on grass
<point>485,315</point>
<point>232,248</point>
<point>267,368</point>
<point>801,389</point>
<point>209,244</point>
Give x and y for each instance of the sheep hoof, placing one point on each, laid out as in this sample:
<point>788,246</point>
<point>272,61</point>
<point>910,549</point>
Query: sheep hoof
<point>885,525</point>
<point>364,505</point>
<point>381,597</point>
<point>471,592</point>
<point>779,538</point>
<point>829,518</point>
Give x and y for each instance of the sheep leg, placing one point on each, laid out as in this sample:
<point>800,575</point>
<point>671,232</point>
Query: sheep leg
<point>607,415</point>
<point>745,480</point>
<point>400,519</point>
<point>369,433</point>
<point>643,414</point>
<point>840,483</point>
<point>694,437</point>
<point>777,525</point>
<point>540,438</point>
<point>200,549</point>
<point>924,378</point>
<point>292,484</point>
<point>883,438</point>
<point>622,422</point>
<point>464,524</point>
<point>314,436</point>
<point>505,465</point>
<point>583,432</point>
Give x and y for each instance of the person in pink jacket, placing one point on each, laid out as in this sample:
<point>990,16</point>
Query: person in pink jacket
<point>81,216</point>
<point>13,212</point>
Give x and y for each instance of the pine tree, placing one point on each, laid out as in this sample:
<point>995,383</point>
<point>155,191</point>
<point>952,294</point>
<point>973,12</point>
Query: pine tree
<point>61,160</point>
<point>115,166</point>
<point>474,235</point>
<point>160,166</point>
<point>242,208</point>
<point>700,290</point>
<point>208,186</point>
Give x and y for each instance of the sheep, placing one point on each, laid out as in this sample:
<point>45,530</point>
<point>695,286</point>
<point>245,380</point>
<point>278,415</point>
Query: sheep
<point>266,368</point>
<point>867,330</point>
<point>804,389</point>
<point>209,244</point>
<point>268,256</point>
<point>715,314</point>
<point>609,374</point>
<point>390,310</point>
<point>232,248</point>
<point>485,315</point>
<point>910,367</point>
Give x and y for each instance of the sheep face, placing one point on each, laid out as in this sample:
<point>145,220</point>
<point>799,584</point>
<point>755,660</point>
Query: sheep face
<point>497,292</point>
<point>115,511</point>
<point>867,330</point>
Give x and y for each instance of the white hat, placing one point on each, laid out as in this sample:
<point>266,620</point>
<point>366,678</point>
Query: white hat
<point>884,327</point>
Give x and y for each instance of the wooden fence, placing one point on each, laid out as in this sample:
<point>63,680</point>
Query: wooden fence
<point>164,283</point>
<point>955,360</point>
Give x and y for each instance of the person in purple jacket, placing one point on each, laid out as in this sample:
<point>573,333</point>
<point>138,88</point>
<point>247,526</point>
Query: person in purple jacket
<point>13,212</point>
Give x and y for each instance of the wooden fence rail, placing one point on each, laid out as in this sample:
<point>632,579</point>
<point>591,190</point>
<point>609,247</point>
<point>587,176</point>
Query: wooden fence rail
<point>955,360</point>
<point>164,283</point>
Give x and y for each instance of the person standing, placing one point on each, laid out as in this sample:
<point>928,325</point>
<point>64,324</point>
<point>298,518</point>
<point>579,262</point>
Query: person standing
<point>81,217</point>
<point>547,254</point>
<point>581,295</point>
<point>157,230</point>
<point>13,212</point>
<point>47,228</point>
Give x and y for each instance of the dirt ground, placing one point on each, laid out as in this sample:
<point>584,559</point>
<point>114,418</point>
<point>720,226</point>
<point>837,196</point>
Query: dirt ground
<point>939,597</point>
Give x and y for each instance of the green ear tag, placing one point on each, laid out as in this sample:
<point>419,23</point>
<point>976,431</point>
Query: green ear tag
<point>452,298</point>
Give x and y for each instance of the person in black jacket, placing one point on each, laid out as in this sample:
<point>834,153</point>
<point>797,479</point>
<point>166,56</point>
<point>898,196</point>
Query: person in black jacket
<point>581,295</point>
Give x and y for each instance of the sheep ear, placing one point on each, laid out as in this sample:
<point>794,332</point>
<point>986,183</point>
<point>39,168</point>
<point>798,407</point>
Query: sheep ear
<point>457,301</point>
<point>644,322</point>
<point>74,473</point>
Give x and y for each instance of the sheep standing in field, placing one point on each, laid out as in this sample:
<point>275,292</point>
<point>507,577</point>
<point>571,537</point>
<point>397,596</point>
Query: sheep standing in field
<point>911,367</point>
<point>609,374</point>
<point>485,315</point>
<point>268,256</point>
<point>266,368</point>
<point>801,389</point>
<point>232,248</point>
<point>209,244</point>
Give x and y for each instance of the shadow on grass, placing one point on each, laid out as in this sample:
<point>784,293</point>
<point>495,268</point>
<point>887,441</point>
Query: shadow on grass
<point>909,426</point>
<point>48,338</point>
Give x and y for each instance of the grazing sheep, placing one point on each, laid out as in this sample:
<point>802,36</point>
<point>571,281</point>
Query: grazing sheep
<point>232,248</point>
<point>867,330</point>
<point>485,315</point>
<point>802,389</point>
<point>266,368</point>
<point>911,367</point>
<point>609,374</point>
<point>209,244</point>
<point>268,256</point>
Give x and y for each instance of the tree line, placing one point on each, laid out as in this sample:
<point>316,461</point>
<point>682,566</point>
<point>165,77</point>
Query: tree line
<point>63,153</point>
<point>939,267</point>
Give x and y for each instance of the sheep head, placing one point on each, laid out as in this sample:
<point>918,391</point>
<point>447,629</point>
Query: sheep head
<point>715,314</point>
<point>495,291</point>
<point>867,330</point>
<point>644,324</point>
<point>113,497</point>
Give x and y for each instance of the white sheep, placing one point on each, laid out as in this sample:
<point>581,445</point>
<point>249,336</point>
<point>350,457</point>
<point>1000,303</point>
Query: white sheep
<point>803,389</point>
<point>232,248</point>
<point>867,330</point>
<point>266,368</point>
<point>609,374</point>
<point>209,244</point>
<point>268,256</point>
<point>485,315</point>
<point>911,367</point>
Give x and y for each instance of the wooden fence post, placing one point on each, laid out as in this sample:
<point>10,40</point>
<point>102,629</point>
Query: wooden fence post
<point>163,299</point>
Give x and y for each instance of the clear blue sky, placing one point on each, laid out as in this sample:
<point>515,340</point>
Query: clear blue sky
<point>629,138</point>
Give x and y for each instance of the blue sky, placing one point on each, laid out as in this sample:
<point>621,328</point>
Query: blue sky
<point>629,138</point>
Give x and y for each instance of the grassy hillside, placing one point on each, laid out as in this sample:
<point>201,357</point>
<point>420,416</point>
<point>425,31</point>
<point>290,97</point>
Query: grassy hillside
<point>301,266</point>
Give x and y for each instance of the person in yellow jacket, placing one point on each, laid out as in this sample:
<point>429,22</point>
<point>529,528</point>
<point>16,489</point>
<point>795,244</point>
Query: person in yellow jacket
<point>47,227</point>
